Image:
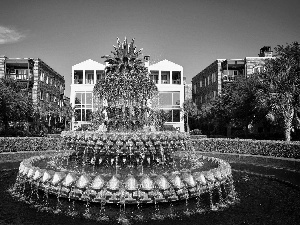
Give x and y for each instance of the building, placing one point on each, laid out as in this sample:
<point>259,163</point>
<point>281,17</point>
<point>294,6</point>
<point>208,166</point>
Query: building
<point>167,75</point>
<point>84,76</point>
<point>45,87</point>
<point>207,84</point>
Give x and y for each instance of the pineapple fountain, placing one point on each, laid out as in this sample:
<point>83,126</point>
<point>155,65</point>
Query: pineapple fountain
<point>127,160</point>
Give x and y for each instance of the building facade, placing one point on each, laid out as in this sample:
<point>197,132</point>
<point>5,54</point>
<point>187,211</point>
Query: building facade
<point>44,86</point>
<point>167,76</point>
<point>207,84</point>
<point>84,77</point>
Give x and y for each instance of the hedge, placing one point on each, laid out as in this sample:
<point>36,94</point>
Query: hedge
<point>16,144</point>
<point>246,146</point>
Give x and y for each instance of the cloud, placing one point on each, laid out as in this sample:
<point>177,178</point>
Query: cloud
<point>10,35</point>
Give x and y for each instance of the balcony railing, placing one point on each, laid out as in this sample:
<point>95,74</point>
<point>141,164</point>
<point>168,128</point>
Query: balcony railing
<point>229,78</point>
<point>176,82</point>
<point>19,76</point>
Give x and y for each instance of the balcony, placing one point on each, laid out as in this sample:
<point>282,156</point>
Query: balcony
<point>24,81</point>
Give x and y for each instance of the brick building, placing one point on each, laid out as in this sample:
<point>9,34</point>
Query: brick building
<point>44,86</point>
<point>207,84</point>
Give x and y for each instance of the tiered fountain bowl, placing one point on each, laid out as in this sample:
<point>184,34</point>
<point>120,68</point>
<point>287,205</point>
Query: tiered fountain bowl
<point>127,168</point>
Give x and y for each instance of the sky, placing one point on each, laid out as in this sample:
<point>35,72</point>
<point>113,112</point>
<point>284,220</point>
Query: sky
<point>190,33</point>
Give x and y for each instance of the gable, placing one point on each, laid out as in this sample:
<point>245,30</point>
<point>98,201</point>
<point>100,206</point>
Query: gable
<point>89,65</point>
<point>166,65</point>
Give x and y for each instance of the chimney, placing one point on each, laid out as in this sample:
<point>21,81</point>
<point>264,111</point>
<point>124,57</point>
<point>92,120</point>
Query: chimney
<point>147,60</point>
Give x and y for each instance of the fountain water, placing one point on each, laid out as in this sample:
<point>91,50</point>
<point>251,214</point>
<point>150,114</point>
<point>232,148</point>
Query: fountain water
<point>126,162</point>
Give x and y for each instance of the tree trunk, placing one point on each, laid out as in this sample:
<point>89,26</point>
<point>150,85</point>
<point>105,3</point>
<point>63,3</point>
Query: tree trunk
<point>187,124</point>
<point>288,124</point>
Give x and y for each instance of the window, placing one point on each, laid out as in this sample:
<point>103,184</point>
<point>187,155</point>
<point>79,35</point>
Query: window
<point>235,72</point>
<point>176,77</point>
<point>42,76</point>
<point>100,74</point>
<point>200,83</point>
<point>207,80</point>
<point>89,76</point>
<point>78,77</point>
<point>21,74</point>
<point>215,95</point>
<point>170,103</point>
<point>169,99</point>
<point>83,106</point>
<point>165,77</point>
<point>173,115</point>
<point>213,77</point>
<point>47,79</point>
<point>42,95</point>
<point>154,76</point>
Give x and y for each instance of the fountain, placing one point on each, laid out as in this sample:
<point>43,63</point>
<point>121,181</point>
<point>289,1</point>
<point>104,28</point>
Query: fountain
<point>126,162</point>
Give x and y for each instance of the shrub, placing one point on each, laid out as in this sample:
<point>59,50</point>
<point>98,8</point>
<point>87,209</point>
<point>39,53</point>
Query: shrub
<point>14,144</point>
<point>195,132</point>
<point>245,146</point>
<point>169,128</point>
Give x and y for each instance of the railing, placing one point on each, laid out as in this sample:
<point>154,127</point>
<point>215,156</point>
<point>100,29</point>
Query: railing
<point>19,76</point>
<point>176,82</point>
<point>229,78</point>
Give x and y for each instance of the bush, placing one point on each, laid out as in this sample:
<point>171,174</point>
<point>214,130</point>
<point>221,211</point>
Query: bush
<point>169,128</point>
<point>195,132</point>
<point>14,144</point>
<point>253,147</point>
<point>85,127</point>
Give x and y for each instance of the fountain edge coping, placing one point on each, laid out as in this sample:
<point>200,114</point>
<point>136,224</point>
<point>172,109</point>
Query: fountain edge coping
<point>266,161</point>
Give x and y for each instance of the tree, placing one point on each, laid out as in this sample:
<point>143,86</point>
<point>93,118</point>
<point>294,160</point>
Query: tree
<point>281,79</point>
<point>15,104</point>
<point>235,106</point>
<point>244,102</point>
<point>190,110</point>
<point>66,113</point>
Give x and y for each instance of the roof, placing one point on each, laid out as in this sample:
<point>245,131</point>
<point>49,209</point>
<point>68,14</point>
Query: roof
<point>89,64</point>
<point>165,65</point>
